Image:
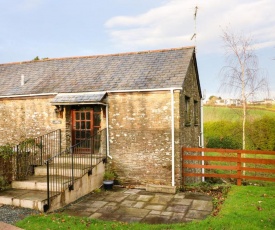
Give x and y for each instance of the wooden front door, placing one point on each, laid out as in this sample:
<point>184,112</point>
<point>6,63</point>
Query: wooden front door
<point>85,124</point>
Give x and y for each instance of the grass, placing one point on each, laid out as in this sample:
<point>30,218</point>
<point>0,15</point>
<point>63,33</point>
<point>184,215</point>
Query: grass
<point>213,113</point>
<point>246,207</point>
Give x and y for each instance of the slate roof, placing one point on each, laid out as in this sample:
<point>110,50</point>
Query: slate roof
<point>127,71</point>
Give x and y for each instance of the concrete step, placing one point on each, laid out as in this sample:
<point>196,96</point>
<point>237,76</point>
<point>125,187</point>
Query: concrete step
<point>24,198</point>
<point>40,183</point>
<point>80,159</point>
<point>37,199</point>
<point>55,169</point>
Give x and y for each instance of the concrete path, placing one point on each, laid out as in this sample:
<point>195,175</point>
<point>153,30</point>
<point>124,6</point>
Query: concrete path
<point>134,205</point>
<point>4,226</point>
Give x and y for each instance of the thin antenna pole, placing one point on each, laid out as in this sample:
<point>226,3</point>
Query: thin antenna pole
<point>195,26</point>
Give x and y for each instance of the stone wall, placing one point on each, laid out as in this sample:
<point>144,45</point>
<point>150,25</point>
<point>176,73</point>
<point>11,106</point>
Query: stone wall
<point>190,132</point>
<point>28,117</point>
<point>140,136</point>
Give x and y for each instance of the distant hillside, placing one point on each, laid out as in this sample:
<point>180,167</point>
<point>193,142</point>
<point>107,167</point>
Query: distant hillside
<point>223,128</point>
<point>218,113</point>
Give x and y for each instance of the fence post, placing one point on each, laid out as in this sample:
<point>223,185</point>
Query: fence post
<point>239,171</point>
<point>182,168</point>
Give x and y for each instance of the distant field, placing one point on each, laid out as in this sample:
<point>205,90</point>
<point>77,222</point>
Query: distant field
<point>214,113</point>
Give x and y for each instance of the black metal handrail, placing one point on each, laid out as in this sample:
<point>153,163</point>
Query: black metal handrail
<point>66,167</point>
<point>33,152</point>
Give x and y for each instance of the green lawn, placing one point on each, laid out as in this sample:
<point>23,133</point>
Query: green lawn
<point>246,207</point>
<point>212,113</point>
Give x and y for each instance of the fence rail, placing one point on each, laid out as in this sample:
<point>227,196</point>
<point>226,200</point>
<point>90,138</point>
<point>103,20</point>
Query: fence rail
<point>229,163</point>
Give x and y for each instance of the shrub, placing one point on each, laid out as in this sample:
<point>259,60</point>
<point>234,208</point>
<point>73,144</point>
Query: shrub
<point>223,143</point>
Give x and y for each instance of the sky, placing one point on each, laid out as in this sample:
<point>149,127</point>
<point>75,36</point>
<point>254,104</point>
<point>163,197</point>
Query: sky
<point>65,28</point>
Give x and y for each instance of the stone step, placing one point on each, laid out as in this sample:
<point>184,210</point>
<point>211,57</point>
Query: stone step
<point>24,198</point>
<point>66,169</point>
<point>40,183</point>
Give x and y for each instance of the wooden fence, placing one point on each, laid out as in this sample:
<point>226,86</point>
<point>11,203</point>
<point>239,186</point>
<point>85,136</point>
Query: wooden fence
<point>229,163</point>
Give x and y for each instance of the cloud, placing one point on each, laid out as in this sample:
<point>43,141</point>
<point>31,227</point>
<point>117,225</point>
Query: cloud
<point>27,5</point>
<point>169,23</point>
<point>172,24</point>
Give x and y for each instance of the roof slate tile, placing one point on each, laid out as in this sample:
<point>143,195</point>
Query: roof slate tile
<point>127,71</point>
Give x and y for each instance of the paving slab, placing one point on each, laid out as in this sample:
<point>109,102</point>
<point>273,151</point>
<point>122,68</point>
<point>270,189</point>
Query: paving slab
<point>155,219</point>
<point>155,207</point>
<point>182,201</point>
<point>177,217</point>
<point>136,212</point>
<point>196,214</point>
<point>128,203</point>
<point>144,197</point>
<point>159,199</point>
<point>202,205</point>
<point>177,208</point>
<point>137,205</point>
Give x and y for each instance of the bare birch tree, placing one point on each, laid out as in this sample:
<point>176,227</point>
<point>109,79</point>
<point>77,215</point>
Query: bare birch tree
<point>242,77</point>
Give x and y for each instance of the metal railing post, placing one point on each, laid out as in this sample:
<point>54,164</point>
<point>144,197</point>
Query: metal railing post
<point>41,151</point>
<point>91,153</point>
<point>71,187</point>
<point>46,207</point>
<point>17,162</point>
<point>59,132</point>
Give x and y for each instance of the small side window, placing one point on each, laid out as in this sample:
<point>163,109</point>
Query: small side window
<point>187,111</point>
<point>196,112</point>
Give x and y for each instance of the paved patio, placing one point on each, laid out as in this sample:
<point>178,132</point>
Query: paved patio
<point>136,205</point>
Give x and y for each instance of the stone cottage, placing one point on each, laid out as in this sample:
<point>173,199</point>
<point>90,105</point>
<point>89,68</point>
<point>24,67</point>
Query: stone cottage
<point>149,103</point>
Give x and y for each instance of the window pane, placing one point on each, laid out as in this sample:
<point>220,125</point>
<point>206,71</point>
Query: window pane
<point>88,116</point>
<point>77,125</point>
<point>82,124</point>
<point>83,116</point>
<point>88,124</point>
<point>77,117</point>
<point>82,134</point>
<point>187,111</point>
<point>196,112</point>
<point>77,134</point>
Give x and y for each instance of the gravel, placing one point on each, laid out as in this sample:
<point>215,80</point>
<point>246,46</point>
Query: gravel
<point>10,214</point>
